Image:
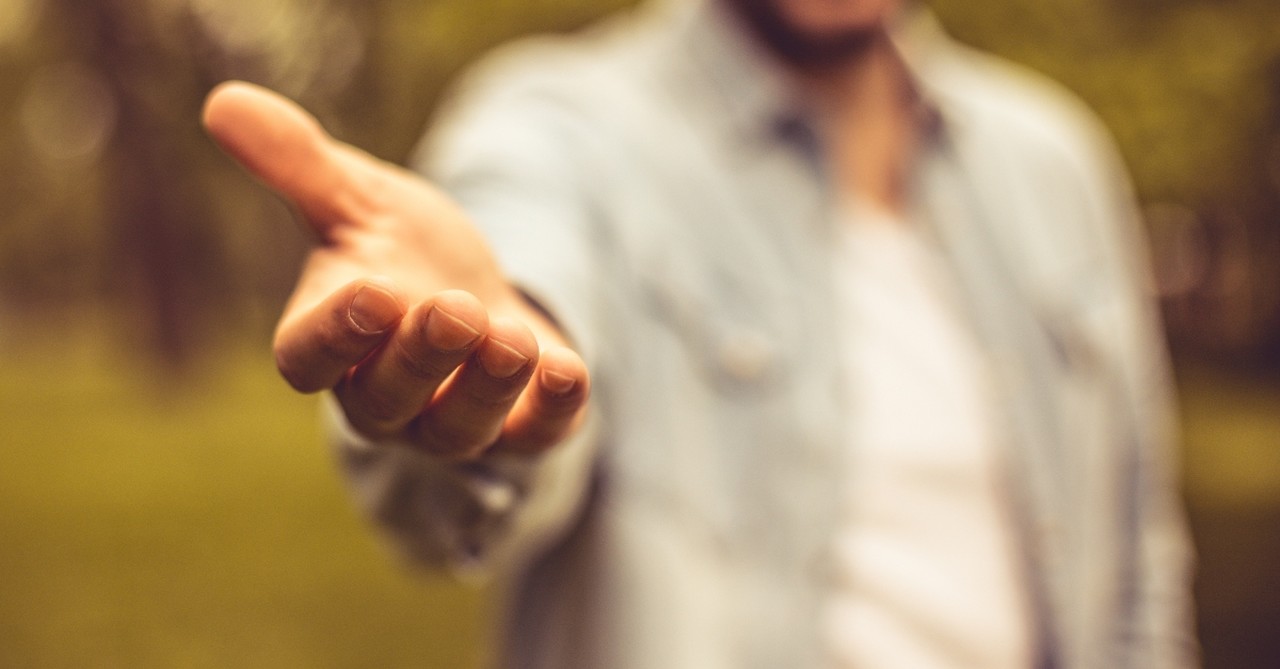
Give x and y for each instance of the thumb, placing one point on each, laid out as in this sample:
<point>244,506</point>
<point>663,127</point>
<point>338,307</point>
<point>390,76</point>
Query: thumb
<point>286,148</point>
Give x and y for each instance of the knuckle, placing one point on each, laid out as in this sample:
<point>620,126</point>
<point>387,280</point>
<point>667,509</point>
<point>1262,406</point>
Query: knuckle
<point>541,441</point>
<point>378,409</point>
<point>295,375</point>
<point>373,425</point>
<point>455,440</point>
<point>383,400</point>
<point>425,364</point>
<point>543,435</point>
<point>494,398</point>
<point>335,345</point>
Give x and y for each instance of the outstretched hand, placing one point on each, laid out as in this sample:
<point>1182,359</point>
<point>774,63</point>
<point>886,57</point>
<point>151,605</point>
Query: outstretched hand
<point>400,308</point>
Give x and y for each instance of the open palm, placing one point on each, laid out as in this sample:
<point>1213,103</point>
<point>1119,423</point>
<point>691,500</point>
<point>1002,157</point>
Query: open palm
<point>400,307</point>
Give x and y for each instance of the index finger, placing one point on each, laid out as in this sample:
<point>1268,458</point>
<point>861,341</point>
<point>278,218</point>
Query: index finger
<point>316,346</point>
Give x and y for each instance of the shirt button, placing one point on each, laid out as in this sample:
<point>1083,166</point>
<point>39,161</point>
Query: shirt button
<point>496,497</point>
<point>745,356</point>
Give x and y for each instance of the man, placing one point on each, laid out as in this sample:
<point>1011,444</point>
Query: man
<point>875,381</point>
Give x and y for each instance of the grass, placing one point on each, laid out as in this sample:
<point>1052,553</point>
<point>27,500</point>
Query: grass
<point>1231,429</point>
<point>1231,464</point>
<point>204,526</point>
<point>145,523</point>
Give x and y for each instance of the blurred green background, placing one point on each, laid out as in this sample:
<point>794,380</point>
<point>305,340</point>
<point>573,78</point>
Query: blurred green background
<point>165,501</point>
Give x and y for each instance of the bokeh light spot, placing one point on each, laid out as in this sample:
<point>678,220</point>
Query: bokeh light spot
<point>17,19</point>
<point>68,114</point>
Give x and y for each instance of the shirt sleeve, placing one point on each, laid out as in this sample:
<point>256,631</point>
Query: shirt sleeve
<point>475,519</point>
<point>1161,630</point>
<point>510,153</point>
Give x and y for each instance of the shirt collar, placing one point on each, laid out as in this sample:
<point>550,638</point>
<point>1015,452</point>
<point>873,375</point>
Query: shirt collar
<point>759,96</point>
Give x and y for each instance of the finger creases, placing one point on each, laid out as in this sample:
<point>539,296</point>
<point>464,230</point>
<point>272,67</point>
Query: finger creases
<point>467,414</point>
<point>551,407</point>
<point>389,389</point>
<point>316,346</point>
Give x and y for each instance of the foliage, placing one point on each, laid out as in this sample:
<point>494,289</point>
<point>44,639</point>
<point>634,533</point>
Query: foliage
<point>112,194</point>
<point>1190,89</point>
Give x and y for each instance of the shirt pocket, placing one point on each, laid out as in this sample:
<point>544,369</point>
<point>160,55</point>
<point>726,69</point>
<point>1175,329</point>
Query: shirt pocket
<point>733,332</point>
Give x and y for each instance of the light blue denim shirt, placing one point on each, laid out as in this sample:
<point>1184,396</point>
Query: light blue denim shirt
<point>659,188</point>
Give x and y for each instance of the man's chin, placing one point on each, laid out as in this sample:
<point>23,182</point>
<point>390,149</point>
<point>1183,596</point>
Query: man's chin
<point>800,47</point>
<point>811,51</point>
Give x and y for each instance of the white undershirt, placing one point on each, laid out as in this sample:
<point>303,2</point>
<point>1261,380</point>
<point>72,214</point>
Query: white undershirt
<point>927,574</point>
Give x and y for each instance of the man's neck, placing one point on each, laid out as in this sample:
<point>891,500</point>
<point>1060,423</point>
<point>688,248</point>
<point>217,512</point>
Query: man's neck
<point>867,108</point>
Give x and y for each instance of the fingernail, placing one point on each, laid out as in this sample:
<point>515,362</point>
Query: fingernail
<point>373,310</point>
<point>501,361</point>
<point>448,333</point>
<point>558,384</point>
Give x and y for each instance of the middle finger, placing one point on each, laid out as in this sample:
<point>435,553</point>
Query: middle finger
<point>384,393</point>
